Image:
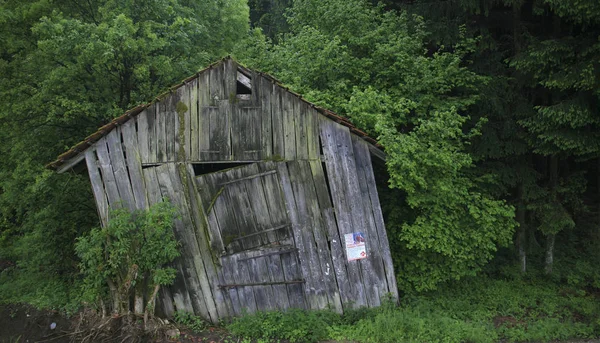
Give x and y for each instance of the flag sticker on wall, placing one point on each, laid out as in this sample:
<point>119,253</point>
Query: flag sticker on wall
<point>355,246</point>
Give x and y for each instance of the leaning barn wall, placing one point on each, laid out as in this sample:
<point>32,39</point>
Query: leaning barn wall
<point>322,197</point>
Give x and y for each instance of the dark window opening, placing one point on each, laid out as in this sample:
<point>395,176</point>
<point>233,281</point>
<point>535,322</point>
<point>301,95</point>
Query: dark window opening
<point>207,168</point>
<point>243,86</point>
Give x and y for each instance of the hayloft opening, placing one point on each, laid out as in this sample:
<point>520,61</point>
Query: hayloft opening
<point>243,86</point>
<point>207,168</point>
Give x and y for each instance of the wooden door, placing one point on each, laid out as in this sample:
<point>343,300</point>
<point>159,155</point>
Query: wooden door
<point>251,236</point>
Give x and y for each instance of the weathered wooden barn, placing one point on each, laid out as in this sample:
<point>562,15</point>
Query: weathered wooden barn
<point>277,196</point>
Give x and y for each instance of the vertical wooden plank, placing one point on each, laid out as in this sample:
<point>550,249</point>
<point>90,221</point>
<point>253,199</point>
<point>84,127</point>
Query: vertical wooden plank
<point>338,175</point>
<point>152,190</point>
<point>242,276</point>
<point>152,139</point>
<point>230,79</point>
<point>277,122</point>
<point>142,135</point>
<point>117,159</point>
<point>298,225</point>
<point>301,123</point>
<point>164,301</point>
<point>292,271</point>
<point>312,132</point>
<point>208,257</point>
<point>97,185</point>
<point>190,95</point>
<point>202,124</point>
<point>320,237</point>
<point>191,264</point>
<point>220,135</point>
<point>134,165</point>
<point>217,88</point>
<point>170,113</point>
<point>379,224</point>
<point>276,274</point>
<point>182,109</point>
<point>226,277</point>
<point>161,132</point>
<point>257,275</point>
<point>265,88</point>
<point>108,176</point>
<point>289,126</point>
<point>376,254</point>
<point>319,296</point>
<point>338,257</point>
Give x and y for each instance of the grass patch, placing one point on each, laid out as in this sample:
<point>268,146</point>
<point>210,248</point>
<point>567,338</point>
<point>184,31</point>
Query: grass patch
<point>474,310</point>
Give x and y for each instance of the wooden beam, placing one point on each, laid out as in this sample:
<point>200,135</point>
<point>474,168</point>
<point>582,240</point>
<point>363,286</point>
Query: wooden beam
<point>70,163</point>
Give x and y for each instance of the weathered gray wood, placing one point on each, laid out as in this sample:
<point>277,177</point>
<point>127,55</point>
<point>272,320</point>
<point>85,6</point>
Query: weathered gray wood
<point>208,257</point>
<point>338,257</point>
<point>230,79</point>
<point>161,132</point>
<point>258,274</point>
<point>289,125</point>
<point>142,135</point>
<point>301,123</point>
<point>182,110</point>
<point>312,132</point>
<point>276,274</point>
<point>277,123</point>
<point>217,88</point>
<point>108,176</point>
<point>168,108</point>
<point>97,185</point>
<point>379,224</point>
<point>192,267</point>
<point>153,193</point>
<point>220,135</point>
<point>265,88</point>
<point>70,163</point>
<point>337,174</point>
<point>165,302</point>
<point>134,164</point>
<point>319,237</point>
<point>299,223</point>
<point>276,203</point>
<point>361,152</point>
<point>226,276</point>
<point>249,177</point>
<point>202,124</point>
<point>292,271</point>
<point>190,94</point>
<point>152,133</point>
<point>119,166</point>
<point>308,224</point>
<point>243,276</point>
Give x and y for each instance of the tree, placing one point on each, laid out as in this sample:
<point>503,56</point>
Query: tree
<point>375,66</point>
<point>127,260</point>
<point>66,68</point>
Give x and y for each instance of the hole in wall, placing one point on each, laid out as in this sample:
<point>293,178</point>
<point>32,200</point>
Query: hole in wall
<point>207,168</point>
<point>243,86</point>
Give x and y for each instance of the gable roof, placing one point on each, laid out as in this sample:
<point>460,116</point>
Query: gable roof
<point>73,156</point>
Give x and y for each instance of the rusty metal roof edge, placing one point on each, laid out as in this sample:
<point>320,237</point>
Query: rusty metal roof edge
<point>133,112</point>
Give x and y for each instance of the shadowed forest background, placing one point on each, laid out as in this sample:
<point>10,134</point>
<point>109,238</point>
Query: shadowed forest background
<point>488,110</point>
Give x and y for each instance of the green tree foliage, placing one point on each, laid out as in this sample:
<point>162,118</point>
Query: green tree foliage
<point>375,67</point>
<point>128,258</point>
<point>66,68</point>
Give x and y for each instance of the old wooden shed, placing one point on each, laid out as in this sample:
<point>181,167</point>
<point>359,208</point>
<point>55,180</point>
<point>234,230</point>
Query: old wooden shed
<point>277,196</point>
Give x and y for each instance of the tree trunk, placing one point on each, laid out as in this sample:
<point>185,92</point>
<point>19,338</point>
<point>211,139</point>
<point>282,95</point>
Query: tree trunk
<point>551,238</point>
<point>549,253</point>
<point>150,305</point>
<point>138,306</point>
<point>522,230</point>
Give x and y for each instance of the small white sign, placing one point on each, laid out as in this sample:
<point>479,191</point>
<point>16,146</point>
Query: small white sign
<point>355,246</point>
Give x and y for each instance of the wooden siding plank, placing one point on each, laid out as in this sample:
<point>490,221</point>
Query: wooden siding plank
<point>97,185</point>
<point>182,109</point>
<point>108,176</point>
<point>337,175</point>
<point>275,269</point>
<point>308,225</point>
<point>161,132</point>
<point>298,223</point>
<point>379,224</point>
<point>220,135</point>
<point>226,276</point>
<point>142,135</point>
<point>301,123</point>
<point>243,277</point>
<point>291,272</point>
<point>134,164</point>
<point>202,124</point>
<point>208,257</point>
<point>277,122</point>
<point>119,166</point>
<point>376,254</point>
<point>191,96</point>
<point>217,89</point>
<point>319,236</point>
<point>152,138</point>
<point>171,187</point>
<point>265,87</point>
<point>289,125</point>
<point>169,112</point>
<point>312,132</point>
